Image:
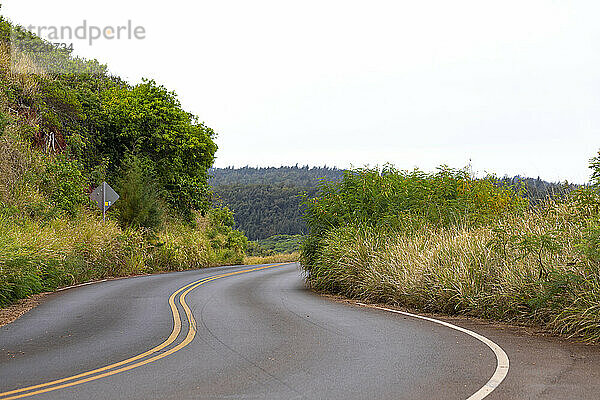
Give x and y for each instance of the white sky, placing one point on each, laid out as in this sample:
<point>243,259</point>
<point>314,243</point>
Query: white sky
<point>512,86</point>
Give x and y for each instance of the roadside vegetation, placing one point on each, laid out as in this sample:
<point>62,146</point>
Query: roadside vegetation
<point>446,242</point>
<point>66,125</point>
<point>272,259</point>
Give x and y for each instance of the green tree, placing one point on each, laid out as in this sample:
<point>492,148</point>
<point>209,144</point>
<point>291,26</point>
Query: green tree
<point>595,167</point>
<point>139,204</point>
<point>148,120</point>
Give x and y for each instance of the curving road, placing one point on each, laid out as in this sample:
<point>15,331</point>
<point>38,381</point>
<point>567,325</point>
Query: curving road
<point>257,333</point>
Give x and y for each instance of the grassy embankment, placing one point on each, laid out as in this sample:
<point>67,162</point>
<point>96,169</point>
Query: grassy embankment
<point>449,243</point>
<point>40,256</point>
<point>42,247</point>
<point>66,125</point>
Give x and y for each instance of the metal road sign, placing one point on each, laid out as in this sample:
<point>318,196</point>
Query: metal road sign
<point>105,197</point>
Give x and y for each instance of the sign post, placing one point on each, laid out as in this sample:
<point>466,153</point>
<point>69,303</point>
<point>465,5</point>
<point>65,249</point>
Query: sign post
<point>103,202</point>
<point>104,196</point>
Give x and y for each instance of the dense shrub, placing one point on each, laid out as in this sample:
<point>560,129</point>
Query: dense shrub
<point>147,120</point>
<point>405,201</point>
<point>64,183</point>
<point>40,255</point>
<point>139,203</point>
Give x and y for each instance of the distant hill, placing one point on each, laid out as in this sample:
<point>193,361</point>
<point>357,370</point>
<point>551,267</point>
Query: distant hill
<point>268,201</point>
<point>287,176</point>
<point>261,211</point>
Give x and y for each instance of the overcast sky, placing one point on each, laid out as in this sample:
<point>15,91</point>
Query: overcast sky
<point>513,86</point>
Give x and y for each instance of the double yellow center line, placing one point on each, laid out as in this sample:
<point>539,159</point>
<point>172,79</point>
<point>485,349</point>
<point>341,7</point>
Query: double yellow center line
<point>140,359</point>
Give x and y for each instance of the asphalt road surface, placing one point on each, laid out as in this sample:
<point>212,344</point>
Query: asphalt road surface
<point>257,333</point>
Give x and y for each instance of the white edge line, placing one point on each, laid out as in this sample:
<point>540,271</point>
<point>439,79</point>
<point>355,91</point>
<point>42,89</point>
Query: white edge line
<point>502,363</point>
<point>82,284</point>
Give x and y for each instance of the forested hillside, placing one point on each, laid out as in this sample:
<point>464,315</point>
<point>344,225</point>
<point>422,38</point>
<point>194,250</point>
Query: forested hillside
<point>285,176</point>
<point>267,201</point>
<point>261,211</point>
<point>537,190</point>
<point>66,125</point>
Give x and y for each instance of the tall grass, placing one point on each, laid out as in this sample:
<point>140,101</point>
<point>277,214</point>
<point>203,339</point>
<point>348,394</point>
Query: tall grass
<point>37,255</point>
<point>537,266</point>
<point>274,258</point>
<point>43,247</point>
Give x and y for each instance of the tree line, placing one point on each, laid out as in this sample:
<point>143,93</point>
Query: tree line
<point>303,176</point>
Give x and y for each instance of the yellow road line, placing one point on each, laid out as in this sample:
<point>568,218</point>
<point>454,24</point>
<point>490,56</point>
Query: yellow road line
<point>172,337</point>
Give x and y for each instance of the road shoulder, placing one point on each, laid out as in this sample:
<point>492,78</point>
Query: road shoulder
<point>15,311</point>
<point>542,366</point>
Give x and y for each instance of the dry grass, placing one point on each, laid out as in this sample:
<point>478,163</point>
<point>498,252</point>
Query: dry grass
<point>19,69</point>
<point>42,247</point>
<point>276,258</point>
<point>182,247</point>
<point>38,255</point>
<point>494,272</point>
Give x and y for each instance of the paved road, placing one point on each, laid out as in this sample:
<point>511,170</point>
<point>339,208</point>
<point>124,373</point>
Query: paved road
<point>262,335</point>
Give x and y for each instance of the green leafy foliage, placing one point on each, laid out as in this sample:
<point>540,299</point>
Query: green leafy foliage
<point>222,235</point>
<point>268,201</point>
<point>275,245</point>
<point>595,167</point>
<point>282,244</point>
<point>404,201</point>
<point>147,120</point>
<point>139,204</point>
<point>590,244</point>
<point>72,106</point>
<point>64,183</point>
